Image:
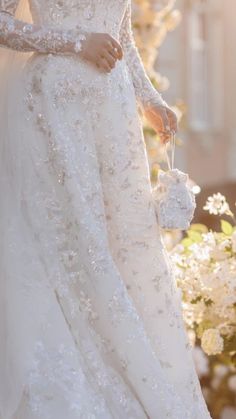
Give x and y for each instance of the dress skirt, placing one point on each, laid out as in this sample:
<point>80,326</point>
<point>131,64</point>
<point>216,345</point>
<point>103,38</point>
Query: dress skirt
<point>93,312</point>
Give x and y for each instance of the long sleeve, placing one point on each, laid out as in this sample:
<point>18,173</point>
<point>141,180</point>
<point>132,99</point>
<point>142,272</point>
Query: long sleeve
<point>145,92</point>
<point>25,37</point>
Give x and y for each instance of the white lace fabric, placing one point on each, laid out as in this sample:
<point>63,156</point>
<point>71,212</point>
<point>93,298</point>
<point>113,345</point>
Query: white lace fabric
<point>90,316</point>
<point>26,37</point>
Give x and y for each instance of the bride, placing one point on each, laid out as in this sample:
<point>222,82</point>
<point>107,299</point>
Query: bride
<point>91,321</point>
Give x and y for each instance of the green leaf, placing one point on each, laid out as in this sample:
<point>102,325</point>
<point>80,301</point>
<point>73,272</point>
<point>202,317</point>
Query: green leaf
<point>226,227</point>
<point>195,236</point>
<point>199,227</point>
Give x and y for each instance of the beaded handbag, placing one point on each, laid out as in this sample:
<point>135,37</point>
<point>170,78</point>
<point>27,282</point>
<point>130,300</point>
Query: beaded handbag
<point>173,198</point>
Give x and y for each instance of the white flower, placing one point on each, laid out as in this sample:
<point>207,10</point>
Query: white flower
<point>206,273</point>
<point>219,252</point>
<point>224,244</point>
<point>217,204</point>
<point>200,252</point>
<point>212,342</point>
<point>209,239</point>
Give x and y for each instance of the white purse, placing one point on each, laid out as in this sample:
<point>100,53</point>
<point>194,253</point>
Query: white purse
<point>173,198</point>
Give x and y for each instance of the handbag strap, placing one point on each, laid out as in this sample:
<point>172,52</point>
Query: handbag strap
<point>172,142</point>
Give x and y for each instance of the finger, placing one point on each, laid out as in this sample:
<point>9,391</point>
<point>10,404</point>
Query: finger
<point>173,125</point>
<point>165,121</point>
<point>165,138</point>
<point>160,112</point>
<point>110,59</point>
<point>104,65</point>
<point>117,48</point>
<point>112,50</point>
<point>173,121</point>
<point>100,67</point>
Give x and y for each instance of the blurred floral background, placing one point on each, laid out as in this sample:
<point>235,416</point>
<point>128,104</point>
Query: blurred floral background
<point>187,48</point>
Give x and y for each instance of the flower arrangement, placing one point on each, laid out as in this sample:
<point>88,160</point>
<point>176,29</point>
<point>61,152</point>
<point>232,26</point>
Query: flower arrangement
<point>205,264</point>
<point>152,20</point>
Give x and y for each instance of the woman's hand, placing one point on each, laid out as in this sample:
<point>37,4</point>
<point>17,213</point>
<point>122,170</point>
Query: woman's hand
<point>102,50</point>
<point>163,120</point>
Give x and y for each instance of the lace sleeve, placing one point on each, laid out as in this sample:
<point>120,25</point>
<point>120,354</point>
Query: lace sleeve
<point>145,91</point>
<point>26,37</point>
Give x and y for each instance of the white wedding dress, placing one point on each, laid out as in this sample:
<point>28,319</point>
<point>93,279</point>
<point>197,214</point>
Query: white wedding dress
<point>91,320</point>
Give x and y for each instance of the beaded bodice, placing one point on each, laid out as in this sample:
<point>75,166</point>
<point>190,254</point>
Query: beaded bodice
<point>57,23</point>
